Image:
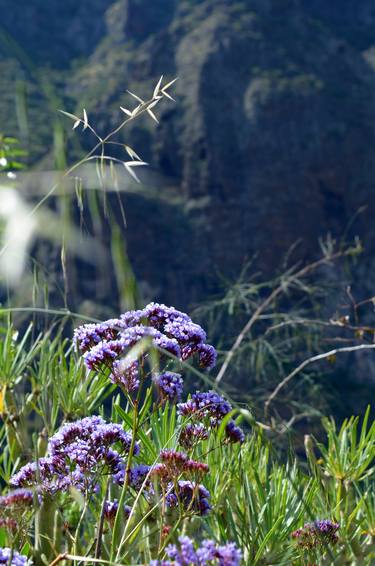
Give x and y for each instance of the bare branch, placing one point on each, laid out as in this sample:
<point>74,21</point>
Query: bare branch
<point>309,361</point>
<point>281,288</point>
<point>311,322</point>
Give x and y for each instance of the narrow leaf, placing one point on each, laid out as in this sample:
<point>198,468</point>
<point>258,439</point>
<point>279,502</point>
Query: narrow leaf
<point>136,110</point>
<point>128,166</point>
<point>157,88</point>
<point>154,103</point>
<point>72,116</point>
<point>168,95</point>
<point>152,115</point>
<point>126,111</point>
<point>132,153</point>
<point>85,119</point>
<point>135,96</point>
<point>169,84</point>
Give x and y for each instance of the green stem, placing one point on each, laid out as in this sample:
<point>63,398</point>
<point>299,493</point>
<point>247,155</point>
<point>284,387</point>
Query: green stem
<point>116,527</point>
<point>76,536</point>
<point>45,521</point>
<point>99,535</point>
<point>169,536</point>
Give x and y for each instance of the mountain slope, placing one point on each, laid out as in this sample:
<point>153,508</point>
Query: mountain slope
<point>272,136</point>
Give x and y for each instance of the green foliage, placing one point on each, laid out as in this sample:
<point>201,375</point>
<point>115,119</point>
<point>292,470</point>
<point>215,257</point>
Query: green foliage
<point>260,495</point>
<point>10,154</point>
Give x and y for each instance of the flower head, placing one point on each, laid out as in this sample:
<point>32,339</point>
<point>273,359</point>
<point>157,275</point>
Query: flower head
<point>13,558</point>
<point>207,356</point>
<point>205,406</point>
<point>193,433</point>
<point>169,385</point>
<point>169,329</point>
<point>77,454</point>
<point>174,461</point>
<point>86,336</point>
<point>318,533</point>
<point>137,475</point>
<point>187,554</point>
<point>126,374</point>
<point>18,498</point>
<point>234,433</point>
<point>111,508</point>
<point>192,496</point>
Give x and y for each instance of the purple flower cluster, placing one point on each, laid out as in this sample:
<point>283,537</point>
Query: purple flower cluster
<point>88,335</point>
<point>77,454</point>
<point>13,558</point>
<point>210,408</point>
<point>208,553</point>
<point>169,386</point>
<point>206,405</point>
<point>192,434</point>
<point>318,533</point>
<point>104,353</point>
<point>234,433</point>
<point>110,510</point>
<point>207,356</point>
<point>176,463</point>
<point>126,374</point>
<point>169,329</point>
<point>15,509</point>
<point>18,498</point>
<point>137,476</point>
<point>191,496</point>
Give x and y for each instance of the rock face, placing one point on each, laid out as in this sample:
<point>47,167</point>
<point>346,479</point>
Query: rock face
<point>54,33</point>
<point>272,137</point>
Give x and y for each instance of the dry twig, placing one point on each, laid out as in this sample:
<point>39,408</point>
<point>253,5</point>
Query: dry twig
<point>309,361</point>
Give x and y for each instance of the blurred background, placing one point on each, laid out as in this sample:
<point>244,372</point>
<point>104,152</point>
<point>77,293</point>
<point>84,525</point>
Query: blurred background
<point>263,166</point>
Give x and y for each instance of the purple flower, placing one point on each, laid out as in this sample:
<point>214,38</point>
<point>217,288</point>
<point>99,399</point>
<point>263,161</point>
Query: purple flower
<point>77,454</point>
<point>103,353</point>
<point>207,356</point>
<point>107,434</point>
<point>78,430</point>
<point>40,472</point>
<point>13,558</point>
<point>110,510</point>
<point>86,336</point>
<point>19,498</point>
<point>326,526</point>
<point>158,315</point>
<point>226,555</point>
<point>318,533</point>
<point>185,331</point>
<point>126,375</point>
<point>234,433</point>
<point>137,475</point>
<point>185,554</point>
<point>192,496</point>
<point>193,433</point>
<point>171,330</point>
<point>207,405</point>
<point>170,386</point>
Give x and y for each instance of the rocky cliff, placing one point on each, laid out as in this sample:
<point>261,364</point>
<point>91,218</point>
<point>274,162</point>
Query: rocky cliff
<point>272,137</point>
